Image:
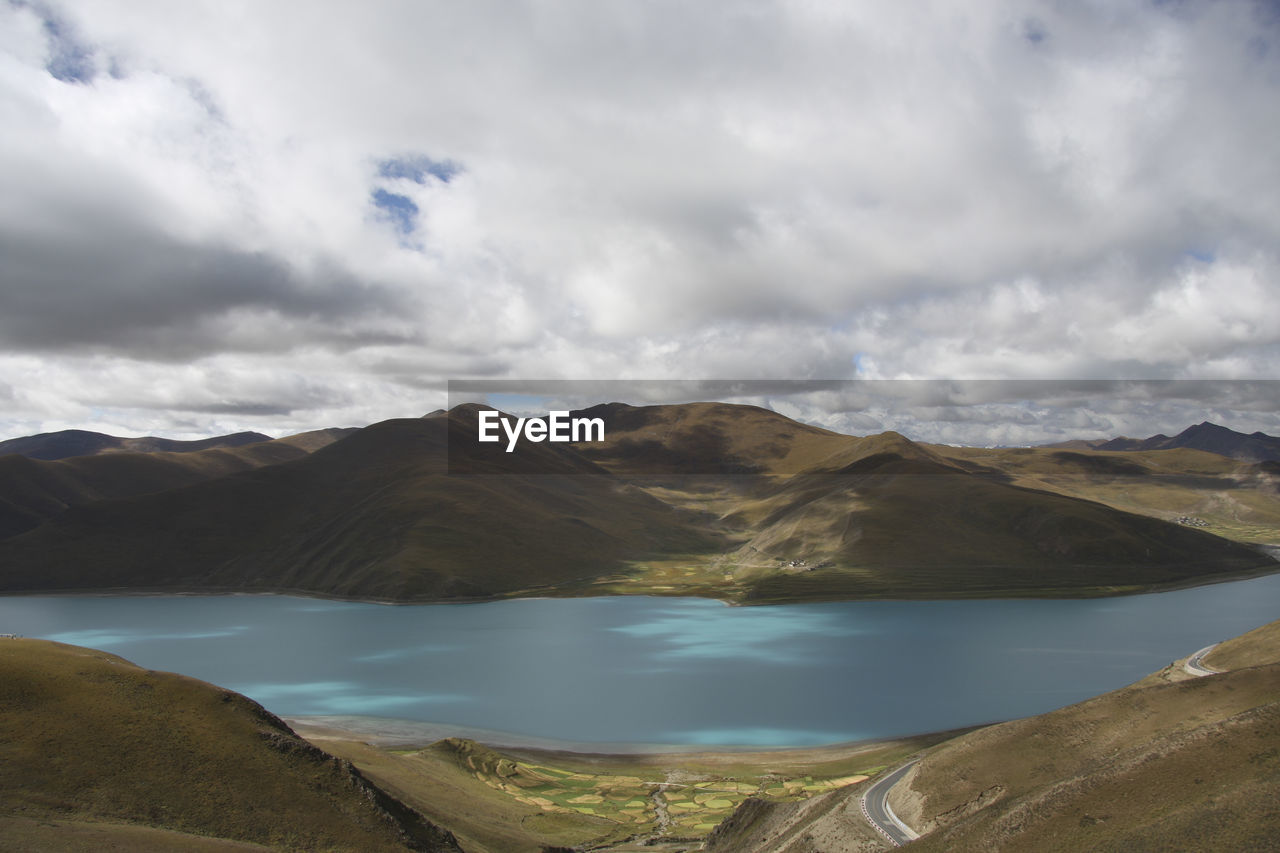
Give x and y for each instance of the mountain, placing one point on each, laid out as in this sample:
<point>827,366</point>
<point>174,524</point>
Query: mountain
<point>813,514</point>
<point>706,438</point>
<point>34,490</point>
<point>101,754</point>
<point>1256,447</point>
<point>406,510</point>
<point>708,499</point>
<point>1170,763</point>
<point>78,442</point>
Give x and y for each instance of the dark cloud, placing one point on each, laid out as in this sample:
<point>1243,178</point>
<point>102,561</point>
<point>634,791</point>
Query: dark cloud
<point>130,292</point>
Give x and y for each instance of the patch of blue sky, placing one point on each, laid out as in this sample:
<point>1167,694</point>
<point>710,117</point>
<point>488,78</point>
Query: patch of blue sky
<point>418,168</point>
<point>329,698</point>
<point>70,59</point>
<point>519,404</point>
<point>101,637</point>
<point>399,210</point>
<point>772,636</point>
<point>761,736</point>
<point>1204,256</point>
<point>393,655</point>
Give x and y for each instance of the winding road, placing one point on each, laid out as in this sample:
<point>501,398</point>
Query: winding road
<point>875,808</point>
<point>1195,663</point>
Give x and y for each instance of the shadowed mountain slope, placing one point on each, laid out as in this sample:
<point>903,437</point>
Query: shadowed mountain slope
<point>387,513</point>
<point>1256,447</point>
<point>903,524</point>
<point>104,747</point>
<point>34,490</point>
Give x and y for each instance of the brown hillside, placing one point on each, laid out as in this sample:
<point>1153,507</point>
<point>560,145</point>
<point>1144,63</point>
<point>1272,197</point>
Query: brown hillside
<point>706,438</point>
<point>1190,765</point>
<point>104,747</point>
<point>1172,763</point>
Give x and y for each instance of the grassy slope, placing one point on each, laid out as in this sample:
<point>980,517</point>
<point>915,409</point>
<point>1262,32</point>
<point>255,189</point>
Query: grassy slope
<point>48,835</point>
<point>1259,647</point>
<point>1170,763</point>
<point>1162,765</point>
<point>91,740</point>
<point>1237,500</point>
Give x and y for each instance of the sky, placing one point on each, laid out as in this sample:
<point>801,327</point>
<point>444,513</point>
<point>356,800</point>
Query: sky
<point>281,216</point>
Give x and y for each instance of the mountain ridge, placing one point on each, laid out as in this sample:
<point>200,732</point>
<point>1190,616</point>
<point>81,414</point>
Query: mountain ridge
<point>66,443</point>
<point>734,502</point>
<point>1207,436</point>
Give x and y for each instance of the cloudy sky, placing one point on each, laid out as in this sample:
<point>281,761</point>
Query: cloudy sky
<point>285,215</point>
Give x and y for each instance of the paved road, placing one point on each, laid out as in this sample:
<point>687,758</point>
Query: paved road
<point>875,808</point>
<point>1195,663</point>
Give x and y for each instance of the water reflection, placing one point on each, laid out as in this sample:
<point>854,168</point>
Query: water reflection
<point>104,637</point>
<point>778,636</point>
<point>340,697</point>
<point>393,655</point>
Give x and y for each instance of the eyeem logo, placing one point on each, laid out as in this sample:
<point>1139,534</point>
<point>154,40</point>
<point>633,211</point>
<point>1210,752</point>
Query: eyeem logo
<point>557,427</point>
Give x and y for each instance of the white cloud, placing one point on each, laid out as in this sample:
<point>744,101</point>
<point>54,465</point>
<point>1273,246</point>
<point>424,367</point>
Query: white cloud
<point>754,189</point>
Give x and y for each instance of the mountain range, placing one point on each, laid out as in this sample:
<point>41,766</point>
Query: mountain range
<point>735,502</point>
<point>78,442</point>
<point>1255,447</point>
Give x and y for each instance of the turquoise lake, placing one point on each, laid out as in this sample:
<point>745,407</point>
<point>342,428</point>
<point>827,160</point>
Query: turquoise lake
<point>677,671</point>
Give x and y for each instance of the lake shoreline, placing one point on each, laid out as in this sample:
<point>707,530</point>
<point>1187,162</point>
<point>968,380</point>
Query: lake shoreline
<point>1040,594</point>
<point>389,733</point>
